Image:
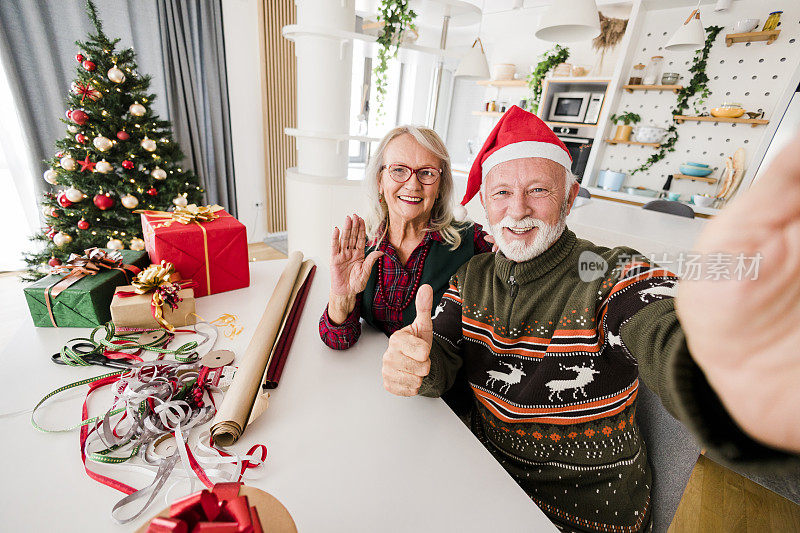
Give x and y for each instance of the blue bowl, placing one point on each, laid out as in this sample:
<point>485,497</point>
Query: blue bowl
<point>698,172</point>
<point>696,164</point>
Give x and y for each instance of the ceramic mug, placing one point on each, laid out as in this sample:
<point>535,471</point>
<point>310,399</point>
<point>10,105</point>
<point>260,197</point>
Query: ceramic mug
<point>745,25</point>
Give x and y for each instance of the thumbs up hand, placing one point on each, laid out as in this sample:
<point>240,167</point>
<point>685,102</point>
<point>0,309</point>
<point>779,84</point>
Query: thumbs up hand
<point>407,359</point>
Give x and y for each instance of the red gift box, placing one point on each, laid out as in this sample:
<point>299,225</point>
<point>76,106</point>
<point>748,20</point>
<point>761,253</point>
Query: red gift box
<point>206,245</point>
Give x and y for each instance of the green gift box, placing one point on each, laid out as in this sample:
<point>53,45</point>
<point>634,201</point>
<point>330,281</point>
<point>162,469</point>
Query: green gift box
<point>83,303</point>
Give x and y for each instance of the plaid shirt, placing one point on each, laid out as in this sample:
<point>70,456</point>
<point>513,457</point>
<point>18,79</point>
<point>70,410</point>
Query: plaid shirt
<point>398,284</point>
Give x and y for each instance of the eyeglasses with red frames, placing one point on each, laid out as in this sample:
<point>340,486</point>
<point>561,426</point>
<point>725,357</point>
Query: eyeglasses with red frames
<point>402,173</point>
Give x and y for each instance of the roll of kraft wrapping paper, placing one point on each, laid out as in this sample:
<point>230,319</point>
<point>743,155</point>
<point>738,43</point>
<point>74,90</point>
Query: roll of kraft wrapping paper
<point>234,413</point>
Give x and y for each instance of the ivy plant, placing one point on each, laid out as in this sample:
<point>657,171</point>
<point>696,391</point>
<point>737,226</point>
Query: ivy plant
<point>548,62</point>
<point>397,17</point>
<point>696,88</point>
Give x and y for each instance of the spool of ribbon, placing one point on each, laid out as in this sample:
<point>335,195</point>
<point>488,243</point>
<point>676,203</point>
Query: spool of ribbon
<point>190,214</point>
<point>160,280</point>
<point>219,510</point>
<point>80,266</point>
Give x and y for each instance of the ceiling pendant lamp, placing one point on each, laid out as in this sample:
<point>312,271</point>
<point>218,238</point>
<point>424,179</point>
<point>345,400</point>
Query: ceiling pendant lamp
<point>568,21</point>
<point>690,36</point>
<point>474,64</point>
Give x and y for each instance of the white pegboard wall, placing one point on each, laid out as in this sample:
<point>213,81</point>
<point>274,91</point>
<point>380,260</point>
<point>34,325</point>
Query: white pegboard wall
<point>753,74</point>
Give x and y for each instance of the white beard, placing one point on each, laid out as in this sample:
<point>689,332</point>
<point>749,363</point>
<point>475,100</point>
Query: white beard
<point>517,250</point>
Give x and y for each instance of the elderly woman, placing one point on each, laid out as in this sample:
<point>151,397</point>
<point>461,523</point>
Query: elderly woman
<point>414,239</point>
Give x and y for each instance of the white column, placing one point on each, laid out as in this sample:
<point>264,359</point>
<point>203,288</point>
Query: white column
<point>324,74</point>
<point>318,195</point>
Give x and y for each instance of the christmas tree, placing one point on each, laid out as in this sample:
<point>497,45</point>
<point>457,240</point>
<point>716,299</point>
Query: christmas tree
<point>117,156</point>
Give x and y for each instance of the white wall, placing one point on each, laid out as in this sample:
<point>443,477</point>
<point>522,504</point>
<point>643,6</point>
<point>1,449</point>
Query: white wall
<point>507,37</point>
<point>240,20</point>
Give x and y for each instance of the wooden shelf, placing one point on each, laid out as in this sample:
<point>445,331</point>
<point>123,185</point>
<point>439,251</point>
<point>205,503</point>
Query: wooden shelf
<point>503,83</point>
<point>752,121</point>
<point>673,88</point>
<point>694,178</point>
<point>488,113</point>
<point>575,124</point>
<point>615,141</point>
<point>752,36</point>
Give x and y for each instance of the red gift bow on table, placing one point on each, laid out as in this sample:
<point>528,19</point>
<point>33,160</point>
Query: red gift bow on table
<point>221,510</point>
<point>80,266</point>
<point>158,279</point>
<point>190,214</point>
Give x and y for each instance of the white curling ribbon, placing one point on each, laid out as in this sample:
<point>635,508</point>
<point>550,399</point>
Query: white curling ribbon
<point>129,434</point>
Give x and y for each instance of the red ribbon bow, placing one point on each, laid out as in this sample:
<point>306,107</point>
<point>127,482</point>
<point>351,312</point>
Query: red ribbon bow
<point>85,90</point>
<point>220,511</point>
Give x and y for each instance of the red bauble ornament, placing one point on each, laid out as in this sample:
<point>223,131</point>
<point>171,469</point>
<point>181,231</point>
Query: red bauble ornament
<point>123,135</point>
<point>54,262</point>
<point>82,224</point>
<point>51,232</point>
<point>79,117</point>
<point>127,164</point>
<point>102,201</point>
<point>152,191</point>
<point>81,138</point>
<point>89,65</point>
<point>62,200</point>
<point>79,58</point>
<point>55,213</point>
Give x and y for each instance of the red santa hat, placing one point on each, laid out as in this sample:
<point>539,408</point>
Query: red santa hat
<point>517,135</point>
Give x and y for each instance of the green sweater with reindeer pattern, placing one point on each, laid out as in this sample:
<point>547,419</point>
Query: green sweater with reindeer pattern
<point>553,351</point>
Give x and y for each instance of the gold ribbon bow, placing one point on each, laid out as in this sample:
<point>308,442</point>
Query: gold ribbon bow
<point>152,279</point>
<point>186,215</point>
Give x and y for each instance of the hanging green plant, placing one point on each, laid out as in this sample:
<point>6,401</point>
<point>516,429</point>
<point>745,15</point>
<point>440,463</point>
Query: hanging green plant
<point>549,60</point>
<point>697,87</point>
<point>397,17</point>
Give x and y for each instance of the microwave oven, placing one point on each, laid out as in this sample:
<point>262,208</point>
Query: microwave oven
<point>583,107</point>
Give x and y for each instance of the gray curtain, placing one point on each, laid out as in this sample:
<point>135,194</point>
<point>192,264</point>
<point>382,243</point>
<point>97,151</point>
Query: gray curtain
<point>193,48</point>
<point>180,44</point>
<point>37,47</point>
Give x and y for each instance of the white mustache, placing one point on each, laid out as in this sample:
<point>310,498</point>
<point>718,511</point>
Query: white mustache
<point>520,225</point>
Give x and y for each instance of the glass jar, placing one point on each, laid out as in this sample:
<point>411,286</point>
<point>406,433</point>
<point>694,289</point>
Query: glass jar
<point>637,74</point>
<point>653,70</point>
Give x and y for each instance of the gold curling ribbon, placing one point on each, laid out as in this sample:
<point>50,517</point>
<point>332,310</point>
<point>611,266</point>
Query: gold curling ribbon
<point>226,320</point>
<point>191,213</point>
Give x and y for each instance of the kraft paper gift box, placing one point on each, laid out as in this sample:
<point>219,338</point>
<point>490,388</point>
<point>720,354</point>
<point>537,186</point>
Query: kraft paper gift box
<point>85,303</point>
<point>212,253</point>
<point>136,311</point>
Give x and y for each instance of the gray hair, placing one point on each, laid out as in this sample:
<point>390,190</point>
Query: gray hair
<point>442,220</point>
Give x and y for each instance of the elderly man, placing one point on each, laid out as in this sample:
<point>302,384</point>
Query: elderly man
<point>553,352</point>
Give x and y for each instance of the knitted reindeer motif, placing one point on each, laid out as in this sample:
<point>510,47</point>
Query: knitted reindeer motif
<point>509,379</point>
<point>584,377</point>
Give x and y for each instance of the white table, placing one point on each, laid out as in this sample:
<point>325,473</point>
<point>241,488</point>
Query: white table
<point>344,455</point>
<point>611,224</point>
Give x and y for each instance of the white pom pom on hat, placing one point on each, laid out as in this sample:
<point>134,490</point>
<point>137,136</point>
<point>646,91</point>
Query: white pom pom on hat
<point>460,212</point>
